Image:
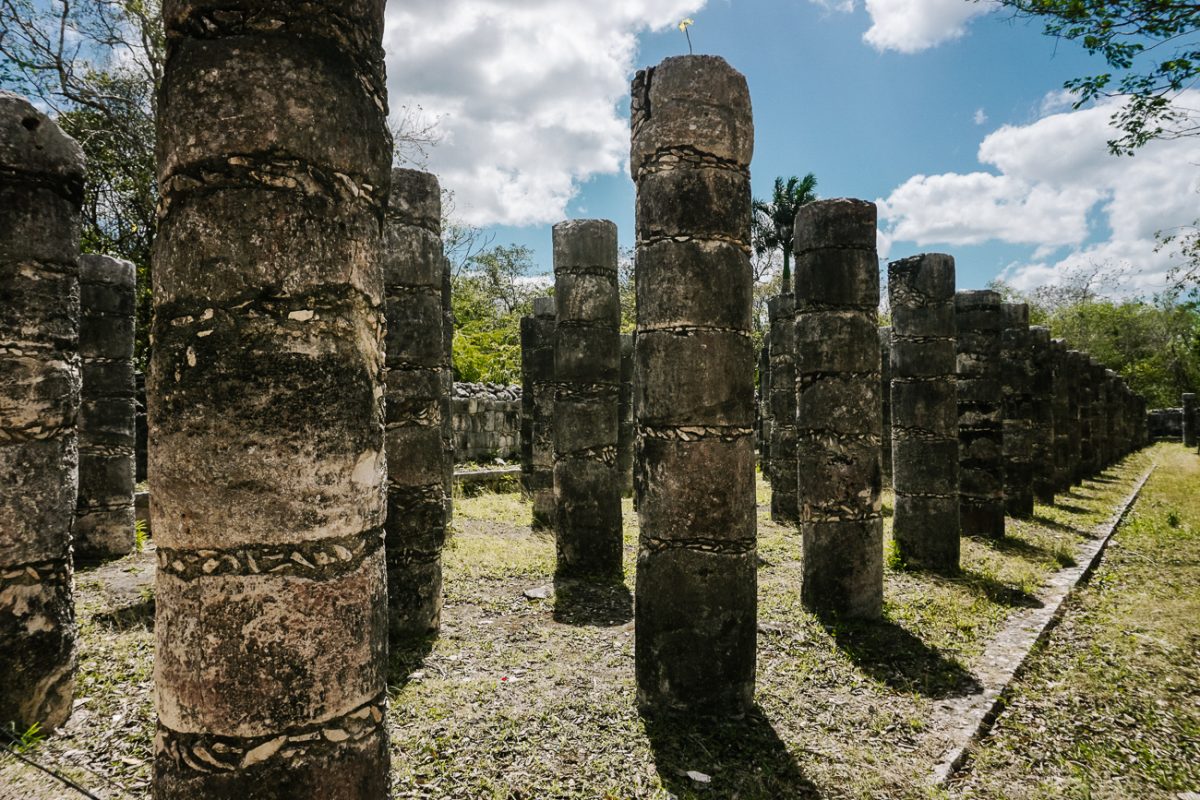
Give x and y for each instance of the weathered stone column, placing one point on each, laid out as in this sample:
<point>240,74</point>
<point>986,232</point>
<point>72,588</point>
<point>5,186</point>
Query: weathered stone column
<point>537,410</point>
<point>41,191</point>
<point>1099,416</point>
<point>1189,419</point>
<point>838,408</point>
<point>1113,414</point>
<point>1042,405</point>
<point>1061,407</point>
<point>1074,416</point>
<point>980,413</point>
<point>1017,374</point>
<point>266,403</point>
<point>764,424</point>
<point>587,374</point>
<point>626,429</point>
<point>104,512</point>
<point>782,333</point>
<point>447,390</point>
<point>885,394</point>
<point>924,411</point>
<point>1087,450</point>
<point>696,604</point>
<point>413,270</point>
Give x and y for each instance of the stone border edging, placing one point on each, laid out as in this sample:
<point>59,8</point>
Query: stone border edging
<point>1010,649</point>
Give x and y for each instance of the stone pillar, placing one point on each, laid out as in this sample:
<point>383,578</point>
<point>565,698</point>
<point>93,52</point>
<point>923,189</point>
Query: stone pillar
<point>587,374</point>
<point>764,424</point>
<point>537,410</point>
<point>924,411</point>
<point>626,431</point>
<point>446,393</point>
<point>1099,416</point>
<point>415,532</point>
<point>1087,451</point>
<point>104,512</point>
<point>1042,405</point>
<point>782,333</point>
<point>1074,416</point>
<point>696,594</point>
<point>1061,406</point>
<point>980,320</point>
<point>266,403</point>
<point>1189,419</point>
<point>885,393</point>
<point>838,408</point>
<point>41,191</point>
<point>1017,374</point>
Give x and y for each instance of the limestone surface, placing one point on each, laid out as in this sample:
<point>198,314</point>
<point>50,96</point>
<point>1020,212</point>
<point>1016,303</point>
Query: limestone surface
<point>696,595</point>
<point>1017,375</point>
<point>537,410</point>
<point>781,311</point>
<point>41,191</point>
<point>980,319</point>
<point>266,403</point>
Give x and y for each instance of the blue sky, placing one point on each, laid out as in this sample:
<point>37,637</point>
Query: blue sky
<point>532,102</point>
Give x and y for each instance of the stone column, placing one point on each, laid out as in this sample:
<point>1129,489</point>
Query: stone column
<point>104,512</point>
<point>626,431</point>
<point>764,424</point>
<point>838,408</point>
<point>924,411</point>
<point>885,394</point>
<point>1074,416</point>
<point>1042,405</point>
<point>1017,374</point>
<point>413,270</point>
<point>1087,450</point>
<point>266,403</point>
<point>537,410</point>
<point>1099,416</point>
<point>980,413</point>
<point>1189,419</point>
<point>696,594</point>
<point>447,390</point>
<point>587,373</point>
<point>1061,406</point>
<point>782,333</point>
<point>41,191</point>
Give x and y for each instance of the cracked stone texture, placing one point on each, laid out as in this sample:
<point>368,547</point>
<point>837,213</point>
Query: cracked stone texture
<point>1043,401</point>
<point>626,429</point>
<point>924,411</point>
<point>1017,374</point>
<point>885,393</point>
<point>781,311</point>
<point>41,191</point>
<point>839,408</point>
<point>980,320</point>
<point>537,410</point>
<point>1095,378</point>
<point>587,371</point>
<point>266,402</point>
<point>415,531</point>
<point>104,514</point>
<point>1086,465</point>
<point>696,606</point>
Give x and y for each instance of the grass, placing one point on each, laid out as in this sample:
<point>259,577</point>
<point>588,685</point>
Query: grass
<point>521,698</point>
<point>1109,706</point>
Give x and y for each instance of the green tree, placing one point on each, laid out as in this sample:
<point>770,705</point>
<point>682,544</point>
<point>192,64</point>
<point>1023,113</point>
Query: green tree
<point>773,221</point>
<point>1152,49</point>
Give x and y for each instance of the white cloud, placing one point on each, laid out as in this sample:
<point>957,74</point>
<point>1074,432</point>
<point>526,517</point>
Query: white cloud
<point>980,116</point>
<point>526,93</point>
<point>910,26</point>
<point>1055,187</point>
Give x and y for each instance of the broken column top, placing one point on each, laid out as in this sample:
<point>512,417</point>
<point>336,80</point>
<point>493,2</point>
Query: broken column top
<point>843,223</point>
<point>836,264</point>
<point>927,277</point>
<point>970,299</point>
<point>415,199</point>
<point>1041,334</point>
<point>544,307</point>
<point>697,103</point>
<point>107,269</point>
<point>586,244</point>
<point>1015,314</point>
<point>33,143</point>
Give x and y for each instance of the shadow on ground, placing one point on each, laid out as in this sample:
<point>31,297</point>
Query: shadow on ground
<point>1046,522</point>
<point>405,658</point>
<point>742,758</point>
<point>1029,551</point>
<point>599,603</point>
<point>137,615</point>
<point>891,654</point>
<point>996,591</point>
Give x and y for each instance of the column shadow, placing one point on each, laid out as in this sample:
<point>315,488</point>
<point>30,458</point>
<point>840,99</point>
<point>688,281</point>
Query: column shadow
<point>742,758</point>
<point>891,654</point>
<point>136,615</point>
<point>597,602</point>
<point>405,657</point>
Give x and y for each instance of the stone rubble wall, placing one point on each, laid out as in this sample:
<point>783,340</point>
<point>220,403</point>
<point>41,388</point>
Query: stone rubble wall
<point>486,420</point>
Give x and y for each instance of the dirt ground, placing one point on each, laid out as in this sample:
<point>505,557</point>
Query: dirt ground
<point>523,697</point>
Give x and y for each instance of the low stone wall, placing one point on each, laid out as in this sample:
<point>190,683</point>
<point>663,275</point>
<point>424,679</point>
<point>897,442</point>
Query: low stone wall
<point>1165,423</point>
<point>487,422</point>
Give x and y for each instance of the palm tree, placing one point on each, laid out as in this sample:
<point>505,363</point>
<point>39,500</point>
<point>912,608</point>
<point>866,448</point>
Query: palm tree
<point>773,221</point>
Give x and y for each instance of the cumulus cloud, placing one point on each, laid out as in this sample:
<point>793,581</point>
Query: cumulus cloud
<point>909,26</point>
<point>526,94</point>
<point>1054,186</point>
<point>980,117</point>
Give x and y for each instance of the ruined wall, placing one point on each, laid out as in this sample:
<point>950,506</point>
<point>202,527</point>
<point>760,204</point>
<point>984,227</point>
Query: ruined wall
<point>486,422</point>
